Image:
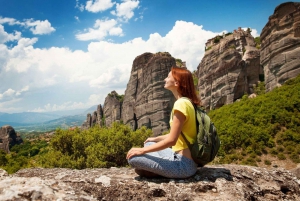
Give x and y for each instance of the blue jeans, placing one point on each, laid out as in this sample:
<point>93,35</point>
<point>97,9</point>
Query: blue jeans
<point>166,163</point>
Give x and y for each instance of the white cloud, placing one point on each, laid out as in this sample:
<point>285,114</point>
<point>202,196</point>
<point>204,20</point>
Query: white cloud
<point>95,99</point>
<point>10,94</point>
<point>77,18</point>
<point>39,27</point>
<point>79,6</point>
<point>54,107</point>
<point>98,5</point>
<point>10,21</point>
<point>5,37</point>
<point>102,28</point>
<point>60,79</point>
<point>254,32</point>
<point>125,10</point>
<point>26,88</point>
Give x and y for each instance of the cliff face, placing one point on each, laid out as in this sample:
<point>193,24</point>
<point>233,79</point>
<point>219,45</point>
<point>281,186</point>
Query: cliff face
<point>229,69</point>
<point>112,108</point>
<point>211,183</point>
<point>8,136</point>
<point>95,118</point>
<point>146,102</point>
<point>280,45</point>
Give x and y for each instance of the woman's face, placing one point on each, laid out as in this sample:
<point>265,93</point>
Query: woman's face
<point>170,82</point>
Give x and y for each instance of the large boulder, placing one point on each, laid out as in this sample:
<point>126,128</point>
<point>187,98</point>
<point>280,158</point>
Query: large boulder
<point>280,45</point>
<point>229,69</point>
<point>146,102</point>
<point>211,183</point>
<point>112,108</point>
<point>8,137</point>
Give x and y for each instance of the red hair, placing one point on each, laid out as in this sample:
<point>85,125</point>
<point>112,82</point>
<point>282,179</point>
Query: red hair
<point>186,84</point>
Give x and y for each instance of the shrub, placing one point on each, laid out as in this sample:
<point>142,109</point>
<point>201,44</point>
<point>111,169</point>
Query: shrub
<point>273,151</point>
<point>281,156</point>
<point>254,125</point>
<point>267,162</point>
<point>99,147</point>
<point>295,157</point>
<point>249,161</point>
<point>289,149</point>
<point>280,149</point>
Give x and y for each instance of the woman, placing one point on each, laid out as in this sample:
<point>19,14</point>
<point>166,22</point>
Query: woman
<point>156,158</point>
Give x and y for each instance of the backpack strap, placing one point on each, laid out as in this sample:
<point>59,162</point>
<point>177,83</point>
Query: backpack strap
<point>197,124</point>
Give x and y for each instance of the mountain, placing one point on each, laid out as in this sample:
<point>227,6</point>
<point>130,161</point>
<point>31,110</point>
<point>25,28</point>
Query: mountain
<point>62,122</point>
<point>28,117</point>
<point>45,121</point>
<point>90,110</point>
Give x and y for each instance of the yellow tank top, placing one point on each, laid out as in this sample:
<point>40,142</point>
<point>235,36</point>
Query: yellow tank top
<point>189,125</point>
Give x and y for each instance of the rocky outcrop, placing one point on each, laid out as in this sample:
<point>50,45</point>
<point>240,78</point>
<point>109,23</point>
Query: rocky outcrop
<point>8,137</point>
<point>112,108</point>
<point>146,102</point>
<point>280,45</point>
<point>95,118</point>
<point>211,183</point>
<point>229,69</point>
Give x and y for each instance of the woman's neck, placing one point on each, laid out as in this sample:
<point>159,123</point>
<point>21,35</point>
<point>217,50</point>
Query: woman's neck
<point>176,94</point>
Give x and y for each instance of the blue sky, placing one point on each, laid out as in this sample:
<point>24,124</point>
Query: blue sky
<point>69,54</point>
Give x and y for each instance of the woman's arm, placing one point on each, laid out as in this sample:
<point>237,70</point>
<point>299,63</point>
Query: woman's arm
<point>168,141</point>
<point>157,139</point>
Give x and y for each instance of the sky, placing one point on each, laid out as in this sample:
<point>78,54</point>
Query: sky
<point>60,55</point>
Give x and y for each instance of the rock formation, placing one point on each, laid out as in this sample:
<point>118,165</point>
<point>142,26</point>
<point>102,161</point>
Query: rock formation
<point>96,118</point>
<point>8,137</point>
<point>229,69</point>
<point>146,102</point>
<point>280,45</point>
<point>211,183</point>
<point>112,108</point>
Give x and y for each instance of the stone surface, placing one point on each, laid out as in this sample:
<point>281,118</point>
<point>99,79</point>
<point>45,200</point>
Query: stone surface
<point>8,136</point>
<point>146,102</point>
<point>280,45</point>
<point>211,183</point>
<point>229,69</point>
<point>296,171</point>
<point>112,108</point>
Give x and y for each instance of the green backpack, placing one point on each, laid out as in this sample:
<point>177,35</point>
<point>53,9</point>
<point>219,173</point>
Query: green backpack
<point>207,142</point>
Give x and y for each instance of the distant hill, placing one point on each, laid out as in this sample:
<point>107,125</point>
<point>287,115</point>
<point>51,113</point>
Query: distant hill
<point>38,121</point>
<point>90,110</point>
<point>62,122</point>
<point>27,117</point>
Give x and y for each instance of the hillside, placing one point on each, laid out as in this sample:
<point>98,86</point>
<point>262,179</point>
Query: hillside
<point>268,125</point>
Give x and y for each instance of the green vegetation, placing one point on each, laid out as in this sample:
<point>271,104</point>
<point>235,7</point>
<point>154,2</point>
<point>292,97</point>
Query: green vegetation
<point>22,156</point>
<point>244,50</point>
<point>206,49</point>
<point>232,47</point>
<point>248,129</point>
<point>217,39</point>
<point>96,147</point>
<point>269,123</point>
<point>257,42</point>
<point>260,88</point>
<point>117,96</point>
<point>179,62</point>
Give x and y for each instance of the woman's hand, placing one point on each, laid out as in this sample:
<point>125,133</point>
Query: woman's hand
<point>135,152</point>
<point>150,139</point>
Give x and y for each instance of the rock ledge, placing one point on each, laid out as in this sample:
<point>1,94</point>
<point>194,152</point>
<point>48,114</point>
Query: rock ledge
<point>222,182</point>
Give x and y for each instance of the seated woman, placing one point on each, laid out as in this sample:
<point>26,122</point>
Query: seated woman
<point>156,158</point>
